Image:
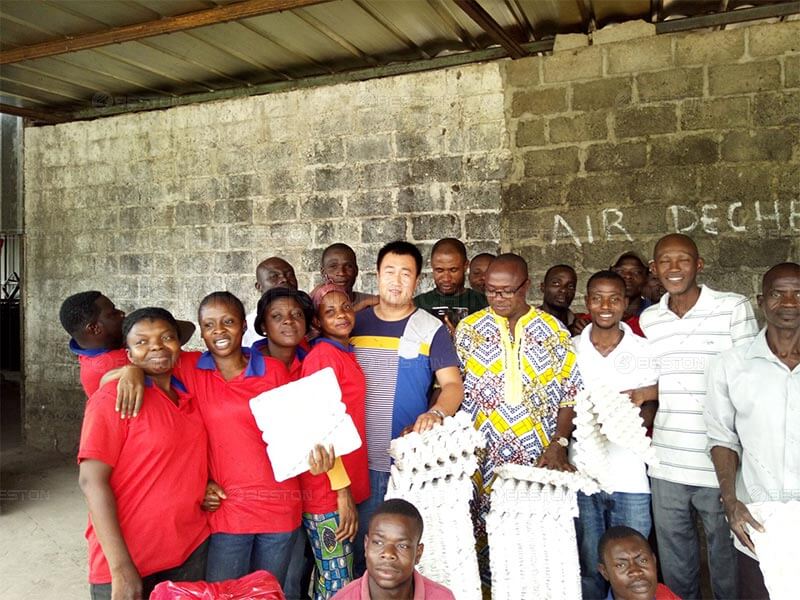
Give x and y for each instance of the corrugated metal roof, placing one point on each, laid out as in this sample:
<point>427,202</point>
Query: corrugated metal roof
<point>306,40</point>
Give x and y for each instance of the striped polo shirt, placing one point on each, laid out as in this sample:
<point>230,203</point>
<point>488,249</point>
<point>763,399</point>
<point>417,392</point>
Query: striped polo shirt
<point>683,348</point>
<point>399,360</point>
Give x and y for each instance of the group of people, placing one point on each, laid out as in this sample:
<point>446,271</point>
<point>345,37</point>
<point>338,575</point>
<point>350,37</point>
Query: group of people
<point>179,485</point>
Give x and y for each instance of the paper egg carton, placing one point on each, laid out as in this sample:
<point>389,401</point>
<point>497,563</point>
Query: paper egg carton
<point>520,554</point>
<point>776,546</point>
<point>433,471</point>
<point>591,452</point>
<point>510,474</point>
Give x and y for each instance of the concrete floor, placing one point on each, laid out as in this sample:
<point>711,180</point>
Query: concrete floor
<point>42,521</point>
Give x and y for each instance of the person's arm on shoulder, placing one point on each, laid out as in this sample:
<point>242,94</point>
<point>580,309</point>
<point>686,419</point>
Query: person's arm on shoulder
<point>94,480</point>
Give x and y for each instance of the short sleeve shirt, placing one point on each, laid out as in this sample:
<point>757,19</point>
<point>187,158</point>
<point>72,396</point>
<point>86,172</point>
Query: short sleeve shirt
<point>399,360</point>
<point>159,475</point>
<point>96,363</point>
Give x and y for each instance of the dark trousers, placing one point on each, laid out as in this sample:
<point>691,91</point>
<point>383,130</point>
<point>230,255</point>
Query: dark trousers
<point>192,569</point>
<point>751,579</point>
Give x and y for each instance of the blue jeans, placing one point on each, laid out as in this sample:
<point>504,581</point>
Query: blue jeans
<point>378,482</point>
<point>597,513</point>
<point>234,555</point>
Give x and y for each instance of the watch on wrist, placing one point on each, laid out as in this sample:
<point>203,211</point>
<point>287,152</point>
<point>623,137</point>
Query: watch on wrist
<point>561,441</point>
<point>437,412</point>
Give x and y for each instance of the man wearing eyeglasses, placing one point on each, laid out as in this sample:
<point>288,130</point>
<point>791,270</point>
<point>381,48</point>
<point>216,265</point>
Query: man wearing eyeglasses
<point>520,382</point>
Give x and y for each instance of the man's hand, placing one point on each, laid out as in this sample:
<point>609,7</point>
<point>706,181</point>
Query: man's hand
<point>426,421</point>
<point>214,497</point>
<point>555,457</point>
<point>321,459</point>
<point>348,516</point>
<point>578,325</point>
<point>739,518</point>
<point>130,392</point>
<point>126,584</point>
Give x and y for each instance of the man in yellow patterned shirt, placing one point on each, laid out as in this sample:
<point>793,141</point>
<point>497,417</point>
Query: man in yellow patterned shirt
<point>520,382</point>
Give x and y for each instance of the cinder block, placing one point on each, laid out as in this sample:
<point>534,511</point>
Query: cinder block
<point>744,78</point>
<point>579,128</point>
<point>776,109</point>
<point>523,72</point>
<point>791,71</point>
<point>629,30</point>
<point>684,150</point>
<point>571,65</point>
<point>446,168</point>
<point>670,84</point>
<point>762,145</point>
<point>434,227</point>
<point>530,133</point>
<point>570,41</point>
<point>759,254</point>
<point>640,55</point>
<point>368,148</point>
<point>598,190</point>
<point>616,157</point>
<point>710,48</point>
<point>192,213</point>
<point>535,193</point>
<point>740,182</point>
<point>475,196</point>
<point>329,232</point>
<point>382,231</point>
<point>604,93</point>
<point>482,226</point>
<point>556,161</point>
<point>322,207</point>
<point>421,198</point>
<point>233,211</point>
<point>774,39</point>
<point>379,202</point>
<point>645,120</point>
<point>539,101</point>
<point>715,113</point>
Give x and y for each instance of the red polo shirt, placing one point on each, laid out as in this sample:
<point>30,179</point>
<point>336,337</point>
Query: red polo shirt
<point>318,498</point>
<point>96,363</point>
<point>159,474</point>
<point>238,460</point>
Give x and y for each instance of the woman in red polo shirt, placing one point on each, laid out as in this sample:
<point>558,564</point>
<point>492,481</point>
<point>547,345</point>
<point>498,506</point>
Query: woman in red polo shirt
<point>330,516</point>
<point>144,478</point>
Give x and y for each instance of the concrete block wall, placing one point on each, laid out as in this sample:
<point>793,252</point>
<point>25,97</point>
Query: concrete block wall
<point>615,144</point>
<point>572,158</point>
<point>162,208</point>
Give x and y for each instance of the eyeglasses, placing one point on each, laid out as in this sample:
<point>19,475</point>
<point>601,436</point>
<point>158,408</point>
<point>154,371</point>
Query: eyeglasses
<point>505,293</point>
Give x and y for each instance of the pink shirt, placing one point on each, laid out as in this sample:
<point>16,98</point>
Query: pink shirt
<point>424,589</point>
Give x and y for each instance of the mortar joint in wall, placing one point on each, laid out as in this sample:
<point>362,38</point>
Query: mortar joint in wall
<point>706,86</point>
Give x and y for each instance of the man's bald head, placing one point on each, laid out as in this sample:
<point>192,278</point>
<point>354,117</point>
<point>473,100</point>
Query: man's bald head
<point>787,269</point>
<point>676,239</point>
<point>275,272</point>
<point>451,246</point>
<point>510,263</point>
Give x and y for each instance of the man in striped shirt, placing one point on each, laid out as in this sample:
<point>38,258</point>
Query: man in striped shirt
<point>401,349</point>
<point>687,328</point>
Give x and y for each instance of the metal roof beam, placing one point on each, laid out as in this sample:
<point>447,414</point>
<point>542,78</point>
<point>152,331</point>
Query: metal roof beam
<point>37,115</point>
<point>478,14</point>
<point>733,16</point>
<point>127,33</point>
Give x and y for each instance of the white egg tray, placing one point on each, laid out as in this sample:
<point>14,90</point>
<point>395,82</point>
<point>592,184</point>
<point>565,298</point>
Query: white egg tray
<point>776,546</point>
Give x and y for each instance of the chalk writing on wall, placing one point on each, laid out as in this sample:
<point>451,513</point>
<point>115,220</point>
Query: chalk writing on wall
<point>760,218</point>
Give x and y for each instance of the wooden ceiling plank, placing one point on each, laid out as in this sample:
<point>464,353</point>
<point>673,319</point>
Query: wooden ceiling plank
<point>127,33</point>
<point>477,13</point>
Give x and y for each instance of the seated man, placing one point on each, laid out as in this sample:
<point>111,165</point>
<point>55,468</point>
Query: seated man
<point>450,301</point>
<point>558,290</point>
<point>628,564</point>
<point>393,548</point>
<point>477,271</point>
<point>271,272</point>
<point>338,265</point>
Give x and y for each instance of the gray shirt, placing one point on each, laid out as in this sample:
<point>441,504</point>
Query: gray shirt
<point>753,407</point>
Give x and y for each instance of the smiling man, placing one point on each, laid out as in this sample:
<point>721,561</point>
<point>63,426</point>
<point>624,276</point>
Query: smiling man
<point>688,327</point>
<point>449,300</point>
<point>338,265</point>
<point>520,383</point>
<point>393,547</point>
<point>402,350</point>
<point>752,397</point>
<point>271,273</point>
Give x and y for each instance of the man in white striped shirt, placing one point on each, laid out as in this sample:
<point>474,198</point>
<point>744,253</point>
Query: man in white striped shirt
<point>687,328</point>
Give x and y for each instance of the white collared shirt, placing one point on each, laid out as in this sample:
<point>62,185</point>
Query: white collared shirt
<point>627,367</point>
<point>753,408</point>
<point>683,348</point>
<point>250,336</point>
